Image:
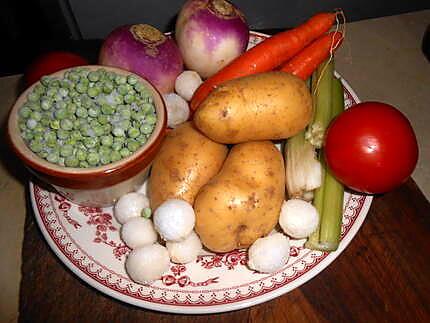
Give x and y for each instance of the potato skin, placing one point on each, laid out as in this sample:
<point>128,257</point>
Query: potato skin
<point>241,203</point>
<point>264,106</point>
<point>186,161</point>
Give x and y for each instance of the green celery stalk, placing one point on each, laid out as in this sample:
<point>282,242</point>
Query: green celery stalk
<point>329,197</point>
<point>321,94</point>
<point>331,222</point>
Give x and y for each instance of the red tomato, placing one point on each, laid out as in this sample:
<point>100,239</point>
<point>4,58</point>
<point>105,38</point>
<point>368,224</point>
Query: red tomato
<point>371,148</point>
<point>52,62</point>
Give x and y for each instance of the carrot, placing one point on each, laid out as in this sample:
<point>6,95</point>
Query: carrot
<point>307,61</point>
<point>268,54</point>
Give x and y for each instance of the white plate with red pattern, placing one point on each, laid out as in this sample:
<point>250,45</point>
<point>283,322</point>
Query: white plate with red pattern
<point>87,241</point>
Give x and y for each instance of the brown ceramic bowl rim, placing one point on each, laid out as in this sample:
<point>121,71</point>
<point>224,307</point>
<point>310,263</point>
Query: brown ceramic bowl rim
<point>41,165</point>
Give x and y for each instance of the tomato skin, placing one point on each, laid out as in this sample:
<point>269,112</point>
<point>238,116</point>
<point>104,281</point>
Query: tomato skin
<point>52,62</point>
<point>371,148</point>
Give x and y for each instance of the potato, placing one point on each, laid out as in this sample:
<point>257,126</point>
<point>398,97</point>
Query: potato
<point>242,203</point>
<point>265,106</point>
<point>186,161</point>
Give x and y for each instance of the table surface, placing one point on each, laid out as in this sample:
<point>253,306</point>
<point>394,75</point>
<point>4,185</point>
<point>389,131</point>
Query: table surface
<point>381,275</point>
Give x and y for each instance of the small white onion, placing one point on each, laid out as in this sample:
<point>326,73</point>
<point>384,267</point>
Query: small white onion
<point>178,110</point>
<point>147,263</point>
<point>129,206</point>
<point>138,232</point>
<point>298,218</point>
<point>268,254</point>
<point>185,251</point>
<point>187,83</point>
<point>174,219</point>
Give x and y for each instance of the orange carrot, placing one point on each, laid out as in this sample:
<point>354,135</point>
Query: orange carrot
<point>268,54</point>
<point>305,62</point>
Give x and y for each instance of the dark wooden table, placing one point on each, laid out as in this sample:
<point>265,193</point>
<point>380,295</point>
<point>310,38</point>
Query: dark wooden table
<point>382,276</point>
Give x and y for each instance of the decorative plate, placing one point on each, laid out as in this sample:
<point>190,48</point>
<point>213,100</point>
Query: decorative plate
<point>87,241</point>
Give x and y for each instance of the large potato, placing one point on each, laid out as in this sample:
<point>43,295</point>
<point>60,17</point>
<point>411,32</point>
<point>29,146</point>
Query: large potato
<point>186,161</point>
<point>241,203</point>
<point>265,106</point>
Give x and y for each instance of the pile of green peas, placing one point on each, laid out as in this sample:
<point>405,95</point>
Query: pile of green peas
<point>87,118</point>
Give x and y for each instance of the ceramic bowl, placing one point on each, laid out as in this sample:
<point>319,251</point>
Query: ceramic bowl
<point>97,186</point>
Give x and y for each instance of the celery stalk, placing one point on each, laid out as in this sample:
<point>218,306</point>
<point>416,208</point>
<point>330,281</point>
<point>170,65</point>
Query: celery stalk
<point>321,92</point>
<point>329,197</point>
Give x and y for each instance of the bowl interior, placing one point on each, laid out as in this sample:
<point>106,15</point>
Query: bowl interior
<point>42,165</point>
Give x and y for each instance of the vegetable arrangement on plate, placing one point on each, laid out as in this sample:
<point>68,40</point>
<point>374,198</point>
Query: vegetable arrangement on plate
<point>220,182</point>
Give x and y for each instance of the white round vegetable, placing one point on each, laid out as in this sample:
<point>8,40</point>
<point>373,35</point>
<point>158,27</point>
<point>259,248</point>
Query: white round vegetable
<point>268,254</point>
<point>174,219</point>
<point>147,263</point>
<point>298,218</point>
<point>187,83</point>
<point>129,206</point>
<point>178,110</point>
<point>185,251</point>
<point>138,232</point>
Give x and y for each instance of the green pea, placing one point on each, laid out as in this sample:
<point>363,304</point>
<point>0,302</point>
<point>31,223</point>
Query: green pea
<point>107,128</point>
<point>51,92</point>
<point>63,134</point>
<point>131,79</point>
<point>129,98</point>
<point>81,154</point>
<point>141,139</point>
<point>151,119</point>
<point>66,124</point>
<point>93,158</point>
<point>146,212</point>
<point>55,124</point>
<point>39,128</point>
<point>39,89</point>
<point>124,124</point>
<point>93,92</point>
<point>86,130</point>
<point>33,96</point>
<point>45,80</point>
<point>81,87</point>
<point>105,159</point>
<point>25,111</point>
<point>53,157</point>
<point>108,87</point>
<point>66,150</point>
<point>71,161</point>
<point>81,112</point>
<point>98,131</point>
<point>106,140</point>
<point>94,76</point>
<point>133,145</point>
<point>71,108</point>
<point>146,128</point>
<point>60,114</point>
<point>118,132</point>
<point>63,92</point>
<point>118,99</point>
<point>76,135</point>
<point>138,116</point>
<point>84,164</point>
<point>133,132</point>
<point>36,115</point>
<point>120,79</point>
<point>115,156</point>
<point>50,135</point>
<point>55,83</point>
<point>117,146</point>
<point>125,152</point>
<point>122,89</point>
<point>45,122</point>
<point>103,119</point>
<point>91,142</point>
<point>35,146</point>
<point>61,104</point>
<point>125,111</point>
<point>107,109</point>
